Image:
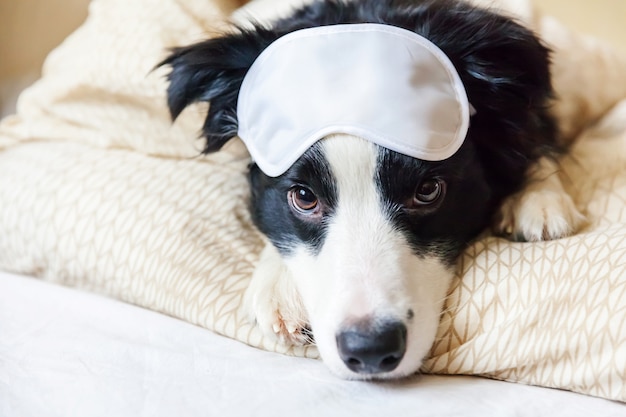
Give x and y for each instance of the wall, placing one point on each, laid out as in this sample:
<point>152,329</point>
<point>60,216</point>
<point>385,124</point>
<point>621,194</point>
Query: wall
<point>29,29</point>
<point>605,19</point>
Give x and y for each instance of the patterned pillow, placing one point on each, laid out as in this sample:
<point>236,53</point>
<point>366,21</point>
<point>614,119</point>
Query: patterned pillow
<point>99,191</point>
<point>552,313</point>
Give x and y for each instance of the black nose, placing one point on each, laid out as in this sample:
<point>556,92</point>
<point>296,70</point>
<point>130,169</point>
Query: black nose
<point>372,349</point>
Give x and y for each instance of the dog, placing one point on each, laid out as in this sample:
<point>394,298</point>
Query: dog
<point>363,240</point>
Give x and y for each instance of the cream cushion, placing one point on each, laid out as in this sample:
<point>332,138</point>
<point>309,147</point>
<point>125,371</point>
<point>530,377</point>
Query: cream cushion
<point>100,191</point>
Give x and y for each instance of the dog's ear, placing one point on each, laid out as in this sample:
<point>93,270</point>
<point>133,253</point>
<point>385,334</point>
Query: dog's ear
<point>506,72</point>
<point>213,71</point>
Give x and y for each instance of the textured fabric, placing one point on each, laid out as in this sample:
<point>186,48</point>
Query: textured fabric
<point>551,313</point>
<point>99,191</point>
<point>379,82</point>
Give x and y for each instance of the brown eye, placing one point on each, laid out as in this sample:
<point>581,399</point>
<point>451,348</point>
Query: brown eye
<point>428,192</point>
<point>303,200</point>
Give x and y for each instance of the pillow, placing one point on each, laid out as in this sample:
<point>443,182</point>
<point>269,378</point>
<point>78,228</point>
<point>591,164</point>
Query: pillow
<point>100,191</point>
<point>550,313</point>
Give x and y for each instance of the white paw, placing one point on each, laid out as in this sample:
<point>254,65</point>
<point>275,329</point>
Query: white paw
<point>539,214</point>
<point>273,303</point>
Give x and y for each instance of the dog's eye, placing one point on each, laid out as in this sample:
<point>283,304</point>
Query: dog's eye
<point>303,200</point>
<point>428,192</point>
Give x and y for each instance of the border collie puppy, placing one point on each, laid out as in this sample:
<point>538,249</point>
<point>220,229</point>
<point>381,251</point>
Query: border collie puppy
<point>364,237</point>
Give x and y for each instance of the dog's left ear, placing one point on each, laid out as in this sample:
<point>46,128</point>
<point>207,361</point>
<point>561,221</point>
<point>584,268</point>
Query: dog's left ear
<point>213,71</point>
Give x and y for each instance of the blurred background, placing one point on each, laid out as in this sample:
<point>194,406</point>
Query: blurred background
<point>29,29</point>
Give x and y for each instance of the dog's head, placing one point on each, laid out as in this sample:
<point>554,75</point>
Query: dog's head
<point>370,235</point>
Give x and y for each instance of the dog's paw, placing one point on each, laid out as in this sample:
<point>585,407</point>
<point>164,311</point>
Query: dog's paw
<point>268,316</point>
<point>539,214</point>
<point>273,303</point>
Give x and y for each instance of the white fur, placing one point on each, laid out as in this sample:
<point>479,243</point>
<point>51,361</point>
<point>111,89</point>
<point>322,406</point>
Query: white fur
<point>273,302</point>
<point>366,268</point>
<point>543,210</point>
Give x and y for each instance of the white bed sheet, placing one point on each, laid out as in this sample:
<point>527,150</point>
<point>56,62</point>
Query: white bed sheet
<point>68,353</point>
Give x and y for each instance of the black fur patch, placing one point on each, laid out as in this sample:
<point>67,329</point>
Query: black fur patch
<point>462,213</point>
<point>270,209</point>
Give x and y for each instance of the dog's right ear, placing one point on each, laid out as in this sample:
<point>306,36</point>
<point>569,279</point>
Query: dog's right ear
<point>213,71</point>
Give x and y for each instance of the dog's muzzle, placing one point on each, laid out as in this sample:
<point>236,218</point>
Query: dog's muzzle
<point>372,348</point>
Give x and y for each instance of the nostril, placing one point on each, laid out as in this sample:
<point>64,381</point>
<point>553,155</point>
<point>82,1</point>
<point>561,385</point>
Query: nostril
<point>390,361</point>
<point>354,362</point>
<point>372,348</point>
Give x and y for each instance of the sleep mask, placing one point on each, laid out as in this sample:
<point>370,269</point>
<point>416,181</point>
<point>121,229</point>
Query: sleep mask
<point>382,83</point>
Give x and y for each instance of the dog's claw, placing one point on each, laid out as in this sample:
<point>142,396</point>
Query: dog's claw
<point>295,335</point>
<point>268,316</point>
<point>287,332</point>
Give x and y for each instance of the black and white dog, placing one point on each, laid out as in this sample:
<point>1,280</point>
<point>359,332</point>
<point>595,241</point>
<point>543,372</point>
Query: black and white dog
<point>364,240</point>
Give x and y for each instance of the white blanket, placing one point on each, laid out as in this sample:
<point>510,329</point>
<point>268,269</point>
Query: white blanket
<point>68,353</point>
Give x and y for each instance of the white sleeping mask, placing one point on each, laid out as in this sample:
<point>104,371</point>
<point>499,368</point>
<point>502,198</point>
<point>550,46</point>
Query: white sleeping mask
<point>381,83</point>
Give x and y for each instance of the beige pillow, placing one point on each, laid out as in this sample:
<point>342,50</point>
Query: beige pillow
<point>99,191</point>
<point>553,313</point>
